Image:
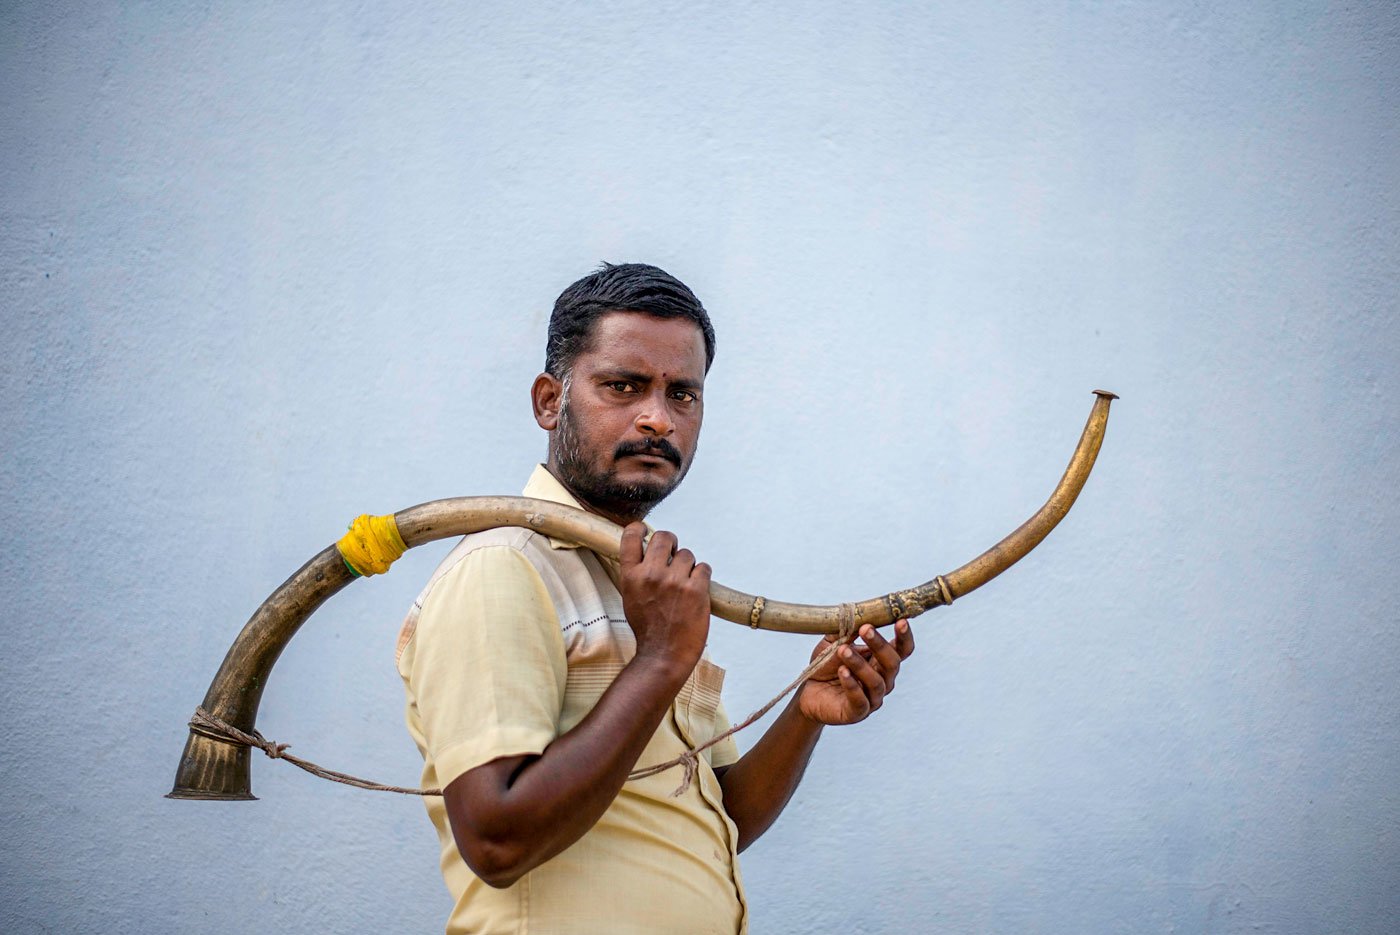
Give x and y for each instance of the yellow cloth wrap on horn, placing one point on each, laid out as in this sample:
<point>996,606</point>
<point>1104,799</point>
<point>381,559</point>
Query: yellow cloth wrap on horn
<point>372,545</point>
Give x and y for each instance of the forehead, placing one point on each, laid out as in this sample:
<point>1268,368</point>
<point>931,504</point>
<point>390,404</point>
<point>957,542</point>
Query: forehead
<point>642,343</point>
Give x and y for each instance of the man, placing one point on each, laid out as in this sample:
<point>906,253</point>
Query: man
<point>539,675</point>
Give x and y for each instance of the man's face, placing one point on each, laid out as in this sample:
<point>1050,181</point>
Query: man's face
<point>630,419</point>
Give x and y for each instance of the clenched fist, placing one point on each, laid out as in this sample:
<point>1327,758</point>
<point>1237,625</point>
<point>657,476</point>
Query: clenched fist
<point>666,596</point>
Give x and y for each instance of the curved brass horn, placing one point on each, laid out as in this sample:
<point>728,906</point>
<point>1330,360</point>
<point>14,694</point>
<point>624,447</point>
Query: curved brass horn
<point>213,768</point>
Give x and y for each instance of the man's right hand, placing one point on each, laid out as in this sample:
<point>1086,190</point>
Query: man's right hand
<point>666,596</point>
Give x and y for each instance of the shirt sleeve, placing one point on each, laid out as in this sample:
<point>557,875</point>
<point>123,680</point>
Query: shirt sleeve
<point>489,668</point>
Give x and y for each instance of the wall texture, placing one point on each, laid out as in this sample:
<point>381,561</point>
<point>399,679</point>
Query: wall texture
<point>267,266</point>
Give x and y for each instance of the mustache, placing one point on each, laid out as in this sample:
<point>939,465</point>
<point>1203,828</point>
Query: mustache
<point>651,446</point>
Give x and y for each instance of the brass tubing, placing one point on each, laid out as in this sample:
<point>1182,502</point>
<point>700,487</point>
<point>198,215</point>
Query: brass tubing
<point>211,768</point>
<point>1029,534</point>
<point>881,611</point>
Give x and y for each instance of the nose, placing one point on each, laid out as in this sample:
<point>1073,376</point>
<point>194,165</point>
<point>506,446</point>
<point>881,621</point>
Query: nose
<point>654,416</point>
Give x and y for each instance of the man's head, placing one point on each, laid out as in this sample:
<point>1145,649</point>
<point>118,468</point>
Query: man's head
<point>633,287</point>
<point>625,367</point>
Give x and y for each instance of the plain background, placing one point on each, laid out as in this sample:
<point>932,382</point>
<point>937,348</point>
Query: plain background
<point>269,266</point>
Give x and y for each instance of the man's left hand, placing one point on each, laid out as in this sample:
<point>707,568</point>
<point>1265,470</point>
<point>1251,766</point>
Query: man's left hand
<point>855,681</point>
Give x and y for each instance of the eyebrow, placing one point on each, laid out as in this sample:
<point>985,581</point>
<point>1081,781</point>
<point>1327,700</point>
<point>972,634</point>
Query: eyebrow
<point>619,374</point>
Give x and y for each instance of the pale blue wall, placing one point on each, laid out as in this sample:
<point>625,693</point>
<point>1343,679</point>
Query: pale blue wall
<point>269,266</point>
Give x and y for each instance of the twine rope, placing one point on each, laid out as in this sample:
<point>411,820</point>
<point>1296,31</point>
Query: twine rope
<point>690,759</point>
<point>222,730</point>
<point>219,729</point>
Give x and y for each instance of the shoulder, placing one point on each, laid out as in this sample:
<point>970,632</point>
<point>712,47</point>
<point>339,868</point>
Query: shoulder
<point>499,576</point>
<point>502,553</point>
<point>514,538</point>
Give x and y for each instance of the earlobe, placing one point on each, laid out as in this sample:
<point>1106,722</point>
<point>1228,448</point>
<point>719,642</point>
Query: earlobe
<point>546,396</point>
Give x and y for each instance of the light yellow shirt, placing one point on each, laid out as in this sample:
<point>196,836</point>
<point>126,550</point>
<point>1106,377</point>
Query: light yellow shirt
<point>511,643</point>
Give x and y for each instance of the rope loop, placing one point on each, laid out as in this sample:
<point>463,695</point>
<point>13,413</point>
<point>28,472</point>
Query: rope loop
<point>846,615</point>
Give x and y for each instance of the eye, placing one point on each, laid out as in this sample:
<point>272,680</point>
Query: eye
<point>684,396</point>
<point>620,386</point>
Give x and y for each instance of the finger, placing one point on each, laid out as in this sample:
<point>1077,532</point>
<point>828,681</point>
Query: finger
<point>856,700</point>
<point>903,639</point>
<point>630,552</point>
<point>700,581</point>
<point>871,680</point>
<point>862,651</point>
<point>683,562</point>
<point>883,654</point>
<point>660,549</point>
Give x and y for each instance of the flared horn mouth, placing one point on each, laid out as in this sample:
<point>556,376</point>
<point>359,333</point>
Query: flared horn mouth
<point>212,767</point>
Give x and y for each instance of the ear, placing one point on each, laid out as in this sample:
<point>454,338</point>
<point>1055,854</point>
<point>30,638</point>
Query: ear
<point>547,396</point>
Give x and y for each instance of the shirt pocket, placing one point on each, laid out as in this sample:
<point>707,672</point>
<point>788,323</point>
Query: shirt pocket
<point>697,704</point>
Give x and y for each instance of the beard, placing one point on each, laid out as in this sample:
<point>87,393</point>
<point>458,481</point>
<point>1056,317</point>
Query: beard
<point>599,488</point>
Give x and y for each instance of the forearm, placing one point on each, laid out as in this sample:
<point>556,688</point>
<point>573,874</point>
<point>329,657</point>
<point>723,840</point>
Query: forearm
<point>759,785</point>
<point>507,821</point>
<point>848,685</point>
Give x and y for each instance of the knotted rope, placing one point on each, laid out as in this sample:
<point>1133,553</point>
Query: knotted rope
<point>223,730</point>
<point>220,729</point>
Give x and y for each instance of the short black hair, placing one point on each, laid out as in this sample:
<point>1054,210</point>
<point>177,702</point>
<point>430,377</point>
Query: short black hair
<point>624,287</point>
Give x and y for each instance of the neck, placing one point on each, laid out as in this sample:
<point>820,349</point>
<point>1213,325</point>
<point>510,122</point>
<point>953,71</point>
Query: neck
<point>621,519</point>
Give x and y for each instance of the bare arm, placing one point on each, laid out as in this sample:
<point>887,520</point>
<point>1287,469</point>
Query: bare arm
<point>512,814</point>
<point>847,690</point>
